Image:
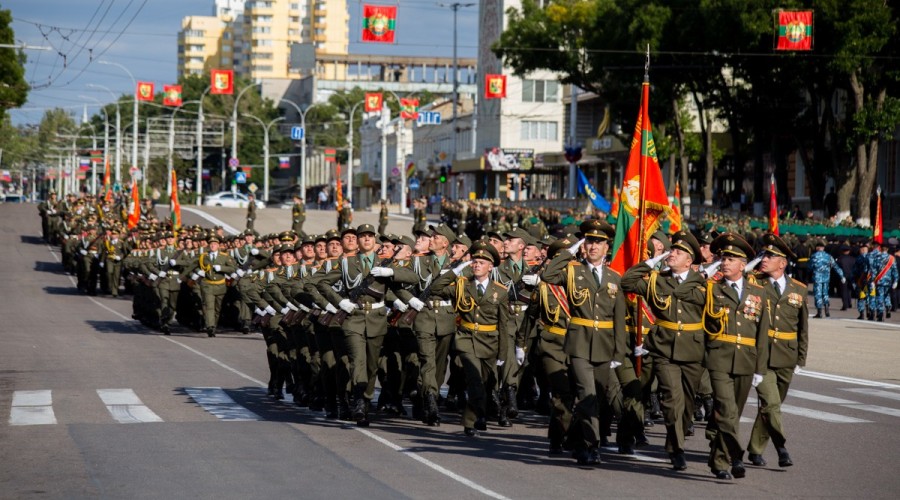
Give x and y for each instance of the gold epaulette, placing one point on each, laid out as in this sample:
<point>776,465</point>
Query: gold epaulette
<point>617,273</point>
<point>754,284</point>
<point>798,282</point>
<point>500,285</point>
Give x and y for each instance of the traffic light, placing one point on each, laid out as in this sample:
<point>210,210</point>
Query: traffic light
<point>443,176</point>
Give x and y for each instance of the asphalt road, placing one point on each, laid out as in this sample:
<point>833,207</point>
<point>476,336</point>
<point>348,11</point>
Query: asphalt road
<point>94,405</point>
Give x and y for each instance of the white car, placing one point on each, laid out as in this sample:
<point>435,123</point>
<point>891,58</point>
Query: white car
<point>229,199</point>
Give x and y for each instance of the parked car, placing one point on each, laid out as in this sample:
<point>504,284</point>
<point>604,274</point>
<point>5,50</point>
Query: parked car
<point>12,198</point>
<point>229,199</point>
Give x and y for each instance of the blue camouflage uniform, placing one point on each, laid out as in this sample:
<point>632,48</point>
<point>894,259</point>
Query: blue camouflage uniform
<point>861,278</point>
<point>881,299</point>
<point>820,264</point>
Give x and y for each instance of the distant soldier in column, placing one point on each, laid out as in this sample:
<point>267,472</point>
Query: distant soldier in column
<point>112,253</point>
<point>298,214</point>
<point>383,217</point>
<point>251,211</point>
<point>788,345</point>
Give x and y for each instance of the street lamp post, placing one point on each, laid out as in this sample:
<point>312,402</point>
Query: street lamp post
<point>350,154</point>
<point>134,143</point>
<point>199,187</point>
<point>234,123</point>
<point>118,131</point>
<point>302,145</point>
<point>455,6</point>
<point>105,136</point>
<point>266,128</point>
<point>171,159</point>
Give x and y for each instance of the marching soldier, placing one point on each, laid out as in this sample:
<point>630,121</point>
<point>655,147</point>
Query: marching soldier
<point>114,250</point>
<point>251,211</point>
<point>788,345</point>
<point>736,321</point>
<point>298,214</point>
<point>213,268</point>
<point>383,217</point>
<point>676,298</point>
<point>595,338</point>
<point>480,341</point>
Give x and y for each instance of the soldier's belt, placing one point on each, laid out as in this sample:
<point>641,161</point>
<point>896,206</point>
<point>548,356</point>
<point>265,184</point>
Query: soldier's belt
<point>215,282</point>
<point>370,306</point>
<point>591,323</point>
<point>803,259</point>
<point>680,327</point>
<point>478,327</point>
<point>440,303</point>
<point>733,339</point>
<point>783,335</point>
<point>553,329</point>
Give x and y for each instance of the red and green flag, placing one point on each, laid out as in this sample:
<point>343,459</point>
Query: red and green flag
<point>107,188</point>
<point>221,81</point>
<point>172,95</point>
<point>773,208</point>
<point>794,30</point>
<point>144,91</point>
<point>675,216</point>
<point>409,108</point>
<point>134,214</point>
<point>374,101</point>
<point>643,200</point>
<point>379,23</point>
<point>96,156</point>
<point>494,86</point>
<point>878,232</point>
<point>330,156</point>
<point>174,205</point>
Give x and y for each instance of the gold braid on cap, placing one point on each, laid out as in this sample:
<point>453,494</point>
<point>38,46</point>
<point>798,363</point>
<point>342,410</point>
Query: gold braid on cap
<point>709,313</point>
<point>463,304</point>
<point>651,291</point>
<point>576,296</point>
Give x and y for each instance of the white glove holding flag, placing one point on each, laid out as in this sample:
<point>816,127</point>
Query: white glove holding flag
<point>653,261</point>
<point>531,279</point>
<point>399,305</point>
<point>381,272</point>
<point>416,304</point>
<point>459,269</point>
<point>640,351</point>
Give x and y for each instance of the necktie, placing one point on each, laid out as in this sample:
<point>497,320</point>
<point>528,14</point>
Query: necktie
<point>736,289</point>
<point>678,279</point>
<point>597,276</point>
<point>777,287</point>
<point>480,290</point>
<point>366,264</point>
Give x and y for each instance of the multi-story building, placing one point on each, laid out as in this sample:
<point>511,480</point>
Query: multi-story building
<point>204,42</point>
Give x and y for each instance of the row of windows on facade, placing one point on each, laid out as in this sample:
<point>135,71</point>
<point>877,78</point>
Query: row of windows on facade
<point>268,5</point>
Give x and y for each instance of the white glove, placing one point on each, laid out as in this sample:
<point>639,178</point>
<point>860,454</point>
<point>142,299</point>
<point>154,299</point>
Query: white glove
<point>416,304</point>
<point>201,273</point>
<point>711,270</point>
<point>285,309</point>
<point>894,285</point>
<point>843,280</point>
<point>331,309</point>
<point>172,262</point>
<point>259,312</point>
<point>653,261</point>
<point>752,264</point>
<point>83,251</point>
<point>797,369</point>
<point>240,272</point>
<point>531,279</point>
<point>152,277</point>
<point>757,379</point>
<point>254,251</point>
<point>574,248</point>
<point>640,351</point>
<point>381,272</point>
<point>195,277</point>
<point>459,269</point>
<point>304,308</point>
<point>118,257</point>
<point>614,364</point>
<point>400,306</point>
<point>217,267</point>
<point>270,310</point>
<point>292,307</point>
<point>347,306</point>
<point>500,362</point>
<point>520,356</point>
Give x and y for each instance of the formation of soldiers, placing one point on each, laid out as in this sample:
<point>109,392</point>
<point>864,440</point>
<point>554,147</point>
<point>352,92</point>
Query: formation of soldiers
<point>515,320</point>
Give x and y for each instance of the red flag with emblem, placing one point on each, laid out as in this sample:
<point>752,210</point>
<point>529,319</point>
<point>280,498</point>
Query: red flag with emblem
<point>172,95</point>
<point>379,23</point>
<point>374,101</point>
<point>773,208</point>
<point>675,216</point>
<point>134,216</point>
<point>878,232</point>
<point>175,206</point>
<point>409,108</point>
<point>794,30</point>
<point>144,91</point>
<point>221,81</point>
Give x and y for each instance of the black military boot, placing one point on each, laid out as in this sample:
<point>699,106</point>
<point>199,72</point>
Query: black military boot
<point>360,408</point>
<point>512,406</point>
<point>432,414</point>
<point>880,317</point>
<point>818,312</point>
<point>655,412</point>
<point>364,421</point>
<point>827,312</point>
<point>698,408</point>
<point>344,412</point>
<point>708,406</point>
<point>861,316</point>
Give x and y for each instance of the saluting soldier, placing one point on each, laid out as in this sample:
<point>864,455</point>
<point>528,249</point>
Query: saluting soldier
<point>483,309</point>
<point>595,338</point>
<point>736,321</point>
<point>788,345</point>
<point>676,297</point>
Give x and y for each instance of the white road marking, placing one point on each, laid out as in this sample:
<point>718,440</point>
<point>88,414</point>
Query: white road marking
<point>813,414</point>
<point>872,324</point>
<point>875,409</point>
<point>32,408</point>
<point>126,407</point>
<point>219,403</point>
<point>821,398</point>
<point>848,380</point>
<point>875,392</point>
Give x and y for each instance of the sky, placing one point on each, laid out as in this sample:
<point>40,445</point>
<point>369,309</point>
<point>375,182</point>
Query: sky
<point>142,35</point>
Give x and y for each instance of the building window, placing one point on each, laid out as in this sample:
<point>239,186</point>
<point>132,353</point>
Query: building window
<point>264,43</point>
<point>267,67</point>
<point>295,6</point>
<point>540,91</point>
<point>539,131</point>
<point>226,48</point>
<point>261,29</point>
<point>263,19</point>
<point>194,33</point>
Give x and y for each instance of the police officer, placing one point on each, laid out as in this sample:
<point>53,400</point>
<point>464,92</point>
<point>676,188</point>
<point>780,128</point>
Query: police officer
<point>788,344</point>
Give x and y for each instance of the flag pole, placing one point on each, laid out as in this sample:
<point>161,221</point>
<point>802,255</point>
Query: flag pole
<point>639,318</point>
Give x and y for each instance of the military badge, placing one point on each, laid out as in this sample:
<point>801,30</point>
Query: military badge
<point>795,299</point>
<point>752,307</point>
<point>612,289</point>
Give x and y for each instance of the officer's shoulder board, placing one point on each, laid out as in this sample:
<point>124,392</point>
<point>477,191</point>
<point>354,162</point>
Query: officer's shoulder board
<point>500,285</point>
<point>757,286</point>
<point>617,273</point>
<point>798,282</point>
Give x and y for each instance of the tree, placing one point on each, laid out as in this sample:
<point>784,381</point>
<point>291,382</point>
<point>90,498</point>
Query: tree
<point>13,89</point>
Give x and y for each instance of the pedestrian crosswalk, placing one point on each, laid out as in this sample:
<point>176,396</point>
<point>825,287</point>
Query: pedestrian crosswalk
<point>842,405</point>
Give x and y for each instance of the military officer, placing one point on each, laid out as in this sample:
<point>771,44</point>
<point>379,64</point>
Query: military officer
<point>251,211</point>
<point>482,306</point>
<point>595,337</point>
<point>112,253</point>
<point>788,345</point>
<point>676,297</point>
<point>883,277</point>
<point>213,267</point>
<point>298,214</point>
<point>736,321</point>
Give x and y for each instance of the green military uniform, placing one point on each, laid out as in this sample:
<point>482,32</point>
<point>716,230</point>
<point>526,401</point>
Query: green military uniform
<point>480,341</point>
<point>383,218</point>
<point>595,337</point>
<point>163,269</point>
<point>736,321</point>
<point>788,345</point>
<point>251,214</point>
<point>212,286</point>
<point>111,255</point>
<point>298,217</point>
<point>676,343</point>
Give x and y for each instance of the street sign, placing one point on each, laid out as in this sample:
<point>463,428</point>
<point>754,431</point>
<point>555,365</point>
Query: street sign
<point>414,183</point>
<point>428,118</point>
<point>252,187</point>
<point>297,133</point>
<point>233,162</point>
<point>240,177</point>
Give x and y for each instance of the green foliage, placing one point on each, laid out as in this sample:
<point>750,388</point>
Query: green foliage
<point>13,88</point>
